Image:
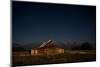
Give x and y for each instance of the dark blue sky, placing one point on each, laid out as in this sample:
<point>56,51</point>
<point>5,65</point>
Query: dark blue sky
<point>33,22</point>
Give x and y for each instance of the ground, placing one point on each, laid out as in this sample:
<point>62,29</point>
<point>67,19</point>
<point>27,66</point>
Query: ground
<point>68,56</point>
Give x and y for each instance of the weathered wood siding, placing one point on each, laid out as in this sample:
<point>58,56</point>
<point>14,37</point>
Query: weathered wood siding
<point>47,51</point>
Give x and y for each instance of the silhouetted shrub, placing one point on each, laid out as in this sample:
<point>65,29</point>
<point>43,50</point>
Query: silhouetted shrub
<point>86,46</point>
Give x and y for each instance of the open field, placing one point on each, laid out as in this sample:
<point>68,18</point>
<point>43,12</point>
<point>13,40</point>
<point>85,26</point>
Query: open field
<point>68,57</point>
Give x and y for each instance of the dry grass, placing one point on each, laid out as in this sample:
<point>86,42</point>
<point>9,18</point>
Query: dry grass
<point>67,57</point>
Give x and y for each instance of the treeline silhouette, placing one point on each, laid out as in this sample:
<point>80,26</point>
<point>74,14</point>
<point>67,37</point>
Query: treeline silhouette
<point>85,46</point>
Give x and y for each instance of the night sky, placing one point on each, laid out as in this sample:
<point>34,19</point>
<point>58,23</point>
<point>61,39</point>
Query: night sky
<point>35,22</point>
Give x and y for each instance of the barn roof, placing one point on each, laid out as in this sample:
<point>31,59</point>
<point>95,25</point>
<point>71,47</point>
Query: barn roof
<point>47,44</point>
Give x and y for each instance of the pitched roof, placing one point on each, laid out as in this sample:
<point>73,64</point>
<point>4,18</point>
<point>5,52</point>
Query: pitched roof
<point>47,44</point>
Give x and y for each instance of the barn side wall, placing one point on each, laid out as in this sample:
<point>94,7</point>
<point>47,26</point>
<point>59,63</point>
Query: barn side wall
<point>47,51</point>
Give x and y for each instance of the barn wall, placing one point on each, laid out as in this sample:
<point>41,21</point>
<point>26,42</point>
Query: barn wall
<point>47,51</point>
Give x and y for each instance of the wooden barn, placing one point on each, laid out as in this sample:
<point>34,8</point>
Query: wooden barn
<point>47,48</point>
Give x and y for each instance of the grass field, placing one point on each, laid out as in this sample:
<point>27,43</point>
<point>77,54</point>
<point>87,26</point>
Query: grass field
<point>68,57</point>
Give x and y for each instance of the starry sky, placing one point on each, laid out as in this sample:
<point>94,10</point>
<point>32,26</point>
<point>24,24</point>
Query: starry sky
<point>33,22</point>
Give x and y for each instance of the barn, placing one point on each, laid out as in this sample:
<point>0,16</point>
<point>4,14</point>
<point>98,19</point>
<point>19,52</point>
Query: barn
<point>47,48</point>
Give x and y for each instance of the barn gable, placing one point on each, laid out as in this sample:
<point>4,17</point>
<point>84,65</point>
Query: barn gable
<point>48,44</point>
